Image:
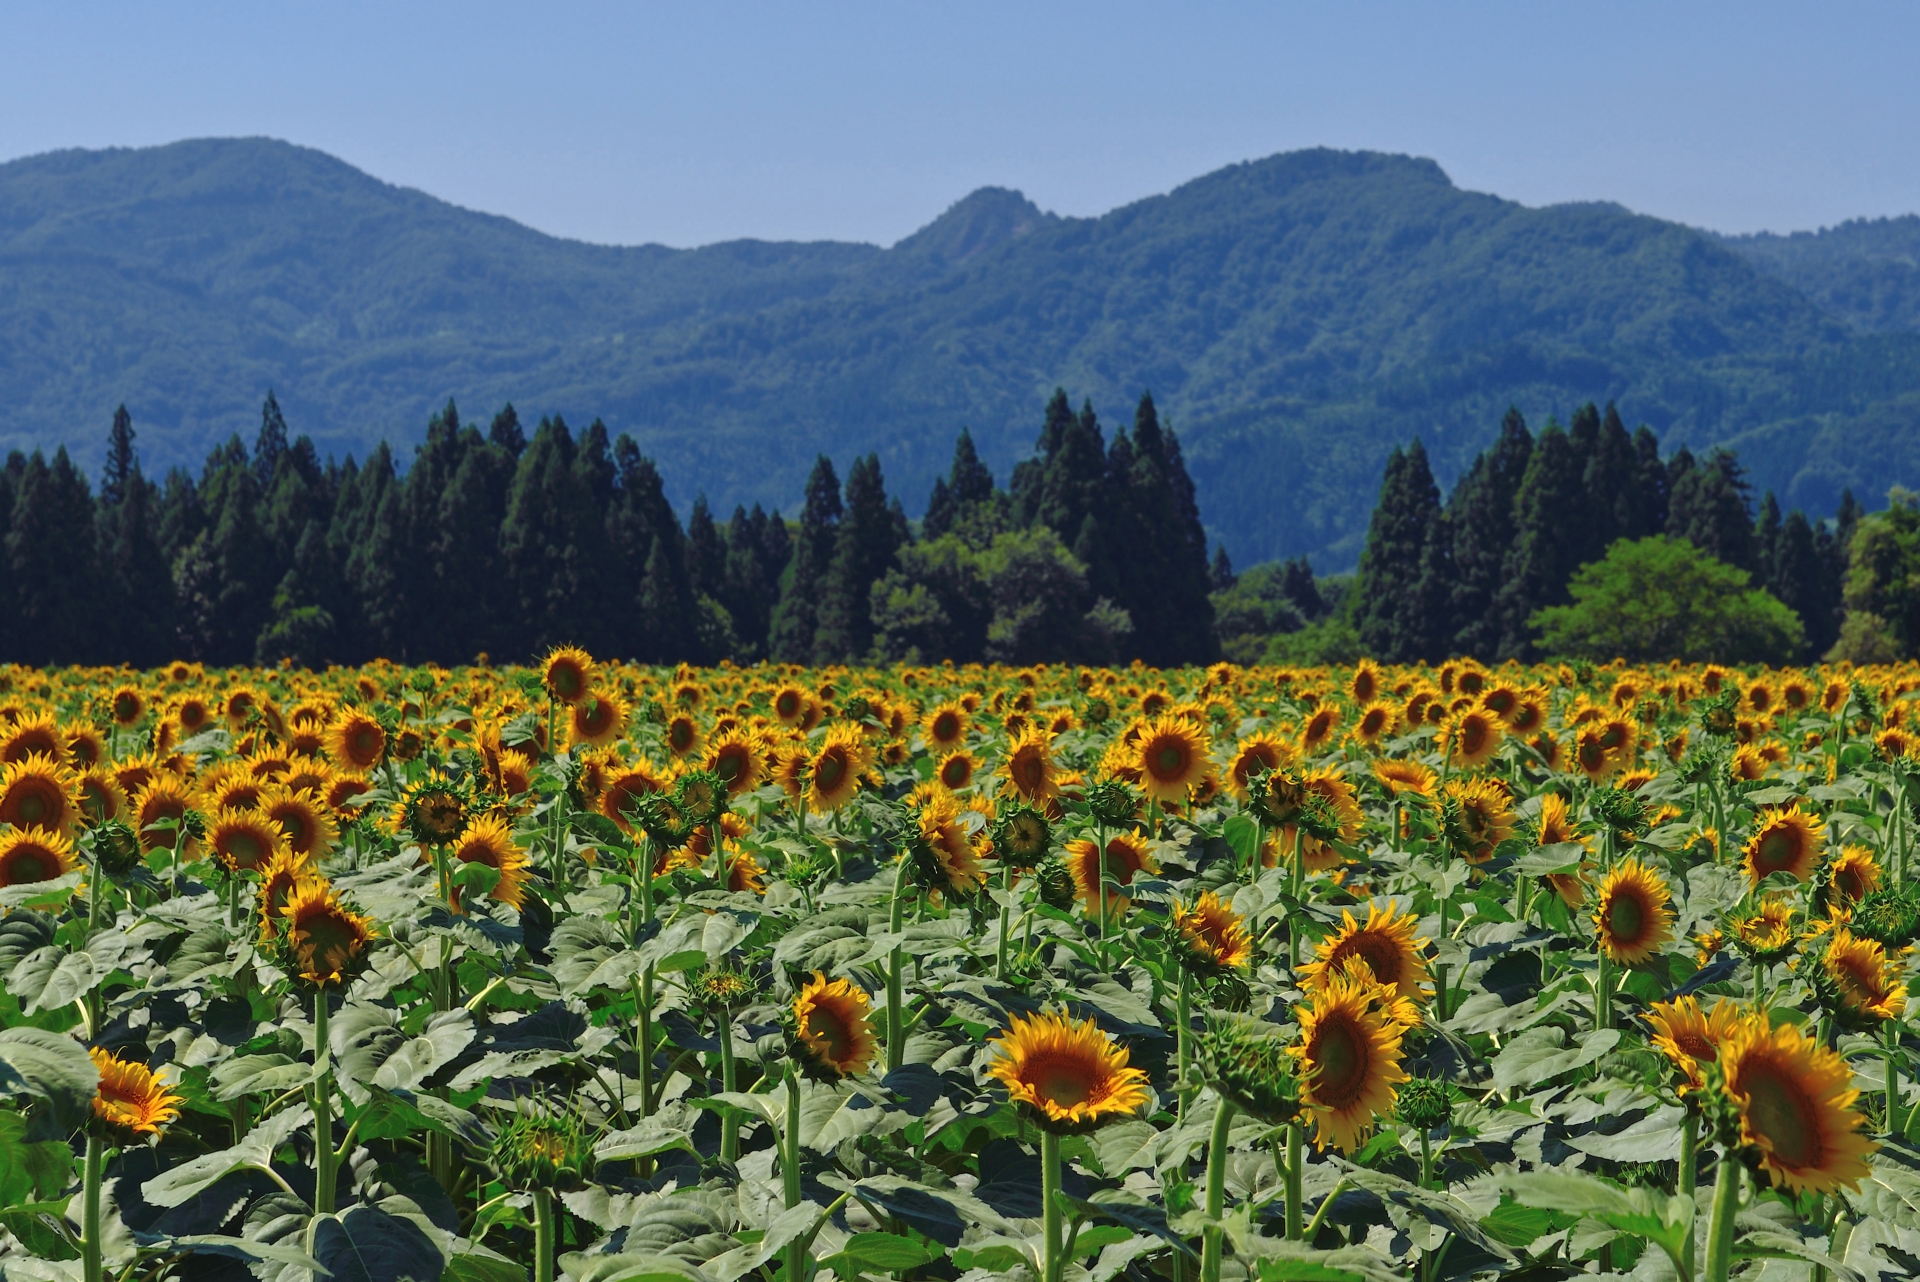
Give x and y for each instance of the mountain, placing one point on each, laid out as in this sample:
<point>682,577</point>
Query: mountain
<point>1866,272</point>
<point>1295,317</point>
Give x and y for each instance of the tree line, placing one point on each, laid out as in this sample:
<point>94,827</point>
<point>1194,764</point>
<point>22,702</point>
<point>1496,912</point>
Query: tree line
<point>1468,576</point>
<point>493,542</point>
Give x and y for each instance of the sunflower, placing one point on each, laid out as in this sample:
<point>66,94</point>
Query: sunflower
<point>1471,737</point>
<point>488,840</point>
<point>344,792</point>
<point>245,840</point>
<point>1590,756</point>
<point>100,797</point>
<point>1365,684</point>
<point>127,705</point>
<point>38,792</point>
<point>1068,1074</point>
<point>745,874</point>
<point>1633,918</point>
<point>1690,1037</point>
<point>433,812</point>
<point>739,759</point>
<point>833,775</point>
<point>945,727</point>
<point>310,830</point>
<point>131,1097</point>
<point>1555,826</point>
<point>956,851</point>
<point>596,720</point>
<point>36,736</point>
<point>285,873</point>
<point>1030,769</point>
<point>229,786</point>
<point>567,672</point>
<point>1854,875</point>
<point>85,748</point>
<point>1386,943</point>
<point>623,790</point>
<point>1377,721</point>
<point>33,855</point>
<point>166,796</point>
<point>1211,936</point>
<point>1348,1057</point>
<point>1865,979</point>
<point>1172,757</point>
<point>1479,816</point>
<point>1795,1102</point>
<point>1256,754</point>
<point>790,704</point>
<point>1401,777</point>
<point>1317,730</point>
<point>326,941</point>
<point>831,1025</point>
<point>1126,855</point>
<point>683,735</point>
<point>1786,841</point>
<point>1765,932</point>
<point>356,741</point>
<point>956,770</point>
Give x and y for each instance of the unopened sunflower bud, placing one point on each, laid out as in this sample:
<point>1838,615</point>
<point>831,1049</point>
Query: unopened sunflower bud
<point>1112,803</point>
<point>1056,886</point>
<point>722,989</point>
<point>1020,837</point>
<point>1247,1062</point>
<point>537,1151</point>
<point>115,848</point>
<point>1887,917</point>
<point>1424,1103</point>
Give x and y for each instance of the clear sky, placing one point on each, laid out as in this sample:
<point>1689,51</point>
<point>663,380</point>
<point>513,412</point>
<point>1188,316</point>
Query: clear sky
<point>691,123</point>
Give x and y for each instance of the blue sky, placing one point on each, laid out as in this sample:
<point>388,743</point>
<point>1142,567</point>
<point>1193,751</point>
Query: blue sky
<point>687,124</point>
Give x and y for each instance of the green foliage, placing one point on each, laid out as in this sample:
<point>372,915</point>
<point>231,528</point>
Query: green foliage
<point>1662,598</point>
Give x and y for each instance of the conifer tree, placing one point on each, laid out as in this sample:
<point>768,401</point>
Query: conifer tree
<point>749,584</point>
<point>1650,485</point>
<point>51,564</point>
<point>1480,516</point>
<point>1797,578</point>
<point>137,626</point>
<point>224,579</point>
<point>1547,544</point>
<point>1298,586</point>
<point>506,433</point>
<point>1220,576</point>
<point>706,553</point>
<point>271,443</point>
<point>1395,592</point>
<point>863,551</point>
<point>1611,480</point>
<point>1708,507</point>
<point>1766,543</point>
<point>1159,575</point>
<point>374,568</point>
<point>648,550</point>
<point>797,618</point>
<point>966,483</point>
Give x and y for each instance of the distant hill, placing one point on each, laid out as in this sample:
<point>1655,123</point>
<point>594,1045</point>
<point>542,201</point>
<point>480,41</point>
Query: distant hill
<point>1294,317</point>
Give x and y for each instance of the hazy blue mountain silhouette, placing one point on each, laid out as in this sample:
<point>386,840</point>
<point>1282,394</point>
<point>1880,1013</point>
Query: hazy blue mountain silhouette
<point>1294,317</point>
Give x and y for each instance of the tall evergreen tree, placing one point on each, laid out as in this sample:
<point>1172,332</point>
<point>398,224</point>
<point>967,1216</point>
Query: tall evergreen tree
<point>224,579</point>
<point>506,432</point>
<point>706,553</point>
<point>1797,578</point>
<point>648,551</point>
<point>1159,574</point>
<point>1650,485</point>
<point>1480,516</point>
<point>1708,507</point>
<point>1298,586</point>
<point>797,617</point>
<point>271,443</point>
<point>137,625</point>
<point>749,585</point>
<point>50,552</point>
<point>966,483</point>
<point>863,551</point>
<point>1396,620</point>
<point>1766,543</point>
<point>1611,482</point>
<point>1547,545</point>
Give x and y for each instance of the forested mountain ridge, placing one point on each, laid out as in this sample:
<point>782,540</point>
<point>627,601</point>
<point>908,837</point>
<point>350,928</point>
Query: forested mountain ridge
<point>1295,317</point>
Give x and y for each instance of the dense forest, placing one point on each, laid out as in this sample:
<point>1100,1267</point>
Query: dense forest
<point>491,542</point>
<point>1469,576</point>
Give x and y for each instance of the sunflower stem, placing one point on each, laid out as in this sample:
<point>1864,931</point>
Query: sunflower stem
<point>643,1036</point>
<point>543,1235</point>
<point>790,1173</point>
<point>1296,1163</point>
<point>1215,1233</point>
<point>1100,879</point>
<point>1183,1031</point>
<point>1689,1177</point>
<point>324,1158</point>
<point>1006,918</point>
<point>1890,1037</point>
<point>1726,1207</point>
<point>1602,991</point>
<point>896,992</point>
<point>90,1256</point>
<point>729,1082</point>
<point>1056,1248</point>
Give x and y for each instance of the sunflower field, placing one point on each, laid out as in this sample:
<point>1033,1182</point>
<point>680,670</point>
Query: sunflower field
<point>616,973</point>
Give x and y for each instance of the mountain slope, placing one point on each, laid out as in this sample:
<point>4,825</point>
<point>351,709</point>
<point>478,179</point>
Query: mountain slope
<point>1294,317</point>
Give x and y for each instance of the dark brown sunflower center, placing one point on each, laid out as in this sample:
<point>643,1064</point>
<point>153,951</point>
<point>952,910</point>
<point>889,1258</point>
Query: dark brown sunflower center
<point>1341,1056</point>
<point>829,771</point>
<point>1626,918</point>
<point>26,864</point>
<point>1170,760</point>
<point>1777,850</point>
<point>1780,1112</point>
